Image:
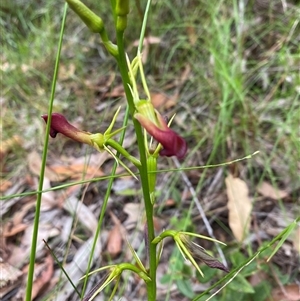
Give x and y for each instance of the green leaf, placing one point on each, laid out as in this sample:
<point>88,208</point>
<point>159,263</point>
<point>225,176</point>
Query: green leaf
<point>237,259</point>
<point>184,286</point>
<point>230,295</point>
<point>285,235</point>
<point>240,284</point>
<point>165,279</point>
<point>262,291</point>
<point>208,272</point>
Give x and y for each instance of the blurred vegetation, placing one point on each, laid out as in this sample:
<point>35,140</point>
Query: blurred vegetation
<point>241,94</point>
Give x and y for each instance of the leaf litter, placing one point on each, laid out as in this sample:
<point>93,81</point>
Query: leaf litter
<point>262,220</point>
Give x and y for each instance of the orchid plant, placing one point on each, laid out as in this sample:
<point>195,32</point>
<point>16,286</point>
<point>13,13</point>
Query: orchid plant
<point>148,122</point>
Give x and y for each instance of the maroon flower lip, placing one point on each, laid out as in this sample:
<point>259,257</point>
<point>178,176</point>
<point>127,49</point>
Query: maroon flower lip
<point>173,144</point>
<point>59,124</point>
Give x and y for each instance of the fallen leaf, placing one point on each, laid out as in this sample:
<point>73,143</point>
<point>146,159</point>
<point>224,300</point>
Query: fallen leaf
<point>158,224</point>
<point>84,213</point>
<point>5,147</point>
<point>118,91</point>
<point>76,171</point>
<point>46,231</point>
<point>49,199</point>
<point>115,237</point>
<point>66,71</point>
<point>258,277</point>
<point>78,267</point>
<point>43,275</point>
<point>35,163</point>
<point>239,206</point>
<point>146,46</point>
<point>4,185</point>
<point>8,144</point>
<point>19,215</point>
<point>267,190</point>
<point>10,278</point>
<point>158,99</point>
<point>290,292</point>
<point>114,241</point>
<point>148,40</point>
<point>133,211</point>
<point>11,230</point>
<point>295,236</point>
<point>192,35</point>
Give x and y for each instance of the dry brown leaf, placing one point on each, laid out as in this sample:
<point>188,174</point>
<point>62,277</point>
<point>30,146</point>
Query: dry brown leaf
<point>8,144</point>
<point>134,215</point>
<point>85,215</point>
<point>192,35</point>
<point>239,206</point>
<point>66,71</point>
<point>158,99</point>
<point>19,215</point>
<point>76,171</point>
<point>10,278</point>
<point>296,239</point>
<point>158,224</point>
<point>146,46</point>
<point>114,241</point>
<point>17,255</point>
<point>118,91</point>
<point>185,74</point>
<point>290,292</point>
<point>49,199</point>
<point>267,190</point>
<point>35,163</point>
<point>77,268</point>
<point>4,185</point>
<point>148,40</point>
<point>258,277</point>
<point>43,275</point>
<point>11,230</point>
<point>115,237</point>
<point>46,231</point>
<point>172,101</point>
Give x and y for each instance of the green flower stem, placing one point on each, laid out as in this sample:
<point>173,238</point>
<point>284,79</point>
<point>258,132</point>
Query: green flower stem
<point>29,285</point>
<point>91,20</point>
<point>115,145</point>
<point>151,285</point>
<point>105,202</point>
<point>109,46</point>
<point>135,269</point>
<point>94,23</point>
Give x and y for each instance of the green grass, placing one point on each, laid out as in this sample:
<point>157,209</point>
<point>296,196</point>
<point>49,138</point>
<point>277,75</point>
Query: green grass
<point>241,95</point>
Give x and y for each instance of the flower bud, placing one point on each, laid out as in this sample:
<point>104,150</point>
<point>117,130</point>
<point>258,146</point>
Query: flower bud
<point>92,21</point>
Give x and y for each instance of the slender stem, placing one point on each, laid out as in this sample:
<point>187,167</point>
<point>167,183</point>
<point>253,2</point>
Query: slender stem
<point>42,172</point>
<point>115,145</point>
<point>151,285</point>
<point>104,206</point>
